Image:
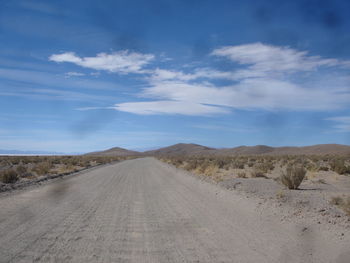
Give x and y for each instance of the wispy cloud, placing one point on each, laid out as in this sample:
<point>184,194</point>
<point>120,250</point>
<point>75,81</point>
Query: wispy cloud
<point>41,78</point>
<point>265,77</point>
<point>93,108</point>
<point>267,60</point>
<point>342,123</point>
<point>41,7</point>
<point>53,94</point>
<point>122,62</point>
<point>74,74</point>
<point>169,107</point>
<point>263,81</point>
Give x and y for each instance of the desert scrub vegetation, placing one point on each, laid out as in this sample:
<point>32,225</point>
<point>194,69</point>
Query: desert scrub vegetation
<point>261,165</point>
<point>15,168</point>
<point>241,175</point>
<point>341,202</point>
<point>293,176</point>
<point>257,173</point>
<point>9,176</point>
<point>339,166</point>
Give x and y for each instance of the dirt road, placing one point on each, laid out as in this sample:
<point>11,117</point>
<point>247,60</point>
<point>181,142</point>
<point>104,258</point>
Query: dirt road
<point>143,210</point>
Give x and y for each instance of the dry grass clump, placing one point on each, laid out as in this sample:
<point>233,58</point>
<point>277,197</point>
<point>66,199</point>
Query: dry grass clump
<point>13,168</point>
<point>323,168</point>
<point>338,166</point>
<point>21,170</point>
<point>257,173</point>
<point>293,176</point>
<point>262,165</point>
<point>265,167</point>
<point>343,203</point>
<point>43,168</point>
<point>280,194</point>
<point>9,176</point>
<point>242,175</point>
<point>336,200</point>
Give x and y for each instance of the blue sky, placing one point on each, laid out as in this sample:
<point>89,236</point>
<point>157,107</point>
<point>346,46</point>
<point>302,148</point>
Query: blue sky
<point>77,76</point>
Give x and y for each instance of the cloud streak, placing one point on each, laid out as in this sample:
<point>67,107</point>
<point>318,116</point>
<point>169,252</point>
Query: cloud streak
<point>264,60</point>
<point>169,107</point>
<point>342,123</point>
<point>264,77</point>
<point>122,62</point>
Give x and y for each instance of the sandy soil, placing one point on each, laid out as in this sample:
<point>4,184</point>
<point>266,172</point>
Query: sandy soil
<point>144,210</point>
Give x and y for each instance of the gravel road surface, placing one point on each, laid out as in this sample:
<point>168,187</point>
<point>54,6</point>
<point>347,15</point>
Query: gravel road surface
<point>144,210</point>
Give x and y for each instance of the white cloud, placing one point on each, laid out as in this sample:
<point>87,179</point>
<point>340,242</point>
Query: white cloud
<point>263,83</point>
<point>263,60</point>
<point>169,107</point>
<point>260,93</point>
<point>74,74</point>
<point>273,58</point>
<point>200,73</point>
<point>118,62</point>
<point>66,57</point>
<point>342,123</point>
<point>164,74</point>
<point>266,77</point>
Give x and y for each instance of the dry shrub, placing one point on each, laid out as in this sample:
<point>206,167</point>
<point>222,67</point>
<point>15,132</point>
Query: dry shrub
<point>221,162</point>
<point>9,176</point>
<point>337,200</point>
<point>256,173</point>
<point>293,176</point>
<point>42,168</point>
<point>342,203</point>
<point>265,167</point>
<point>241,175</point>
<point>250,164</point>
<point>238,164</point>
<point>323,168</point>
<point>338,166</point>
<point>191,165</point>
<point>280,194</point>
<point>21,170</point>
<point>211,170</point>
<point>321,181</point>
<point>201,167</point>
<point>346,206</point>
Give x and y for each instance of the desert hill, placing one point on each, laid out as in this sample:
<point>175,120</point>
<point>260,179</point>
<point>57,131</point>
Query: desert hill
<point>115,151</point>
<point>188,149</point>
<point>182,149</point>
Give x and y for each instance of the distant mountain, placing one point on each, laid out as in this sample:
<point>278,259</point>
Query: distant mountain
<point>182,149</point>
<point>116,151</point>
<point>18,152</point>
<point>314,149</point>
<point>190,149</point>
<point>246,150</point>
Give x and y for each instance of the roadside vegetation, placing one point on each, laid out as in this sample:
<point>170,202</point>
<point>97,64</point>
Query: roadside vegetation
<point>261,166</point>
<point>330,174</point>
<point>19,168</point>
